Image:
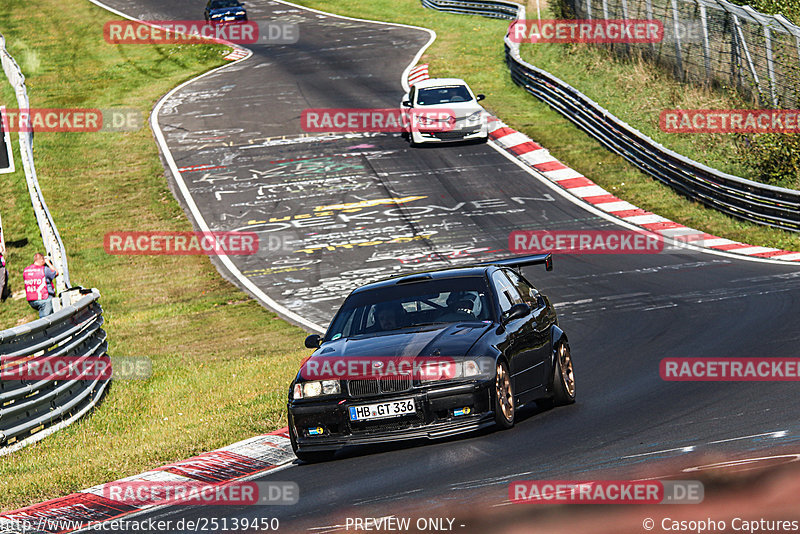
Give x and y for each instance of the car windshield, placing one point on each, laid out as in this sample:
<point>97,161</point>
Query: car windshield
<point>443,95</point>
<point>225,3</point>
<point>447,300</point>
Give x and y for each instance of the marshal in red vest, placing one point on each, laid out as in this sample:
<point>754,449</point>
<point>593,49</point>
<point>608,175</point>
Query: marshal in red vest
<point>35,282</point>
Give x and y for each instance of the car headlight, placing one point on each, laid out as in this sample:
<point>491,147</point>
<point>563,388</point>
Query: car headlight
<point>240,12</point>
<point>454,370</point>
<point>316,388</point>
<point>471,368</point>
<point>475,117</point>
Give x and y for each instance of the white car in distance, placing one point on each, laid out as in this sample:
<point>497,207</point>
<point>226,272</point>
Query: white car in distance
<point>444,110</point>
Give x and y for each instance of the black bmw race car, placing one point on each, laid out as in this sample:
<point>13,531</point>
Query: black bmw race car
<point>430,355</point>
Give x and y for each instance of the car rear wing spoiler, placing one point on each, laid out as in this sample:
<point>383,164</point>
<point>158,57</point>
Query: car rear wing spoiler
<point>522,261</point>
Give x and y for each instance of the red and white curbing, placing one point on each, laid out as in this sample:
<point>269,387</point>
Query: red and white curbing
<point>575,183</point>
<point>539,158</point>
<point>417,74</point>
<point>240,461</point>
<point>237,53</point>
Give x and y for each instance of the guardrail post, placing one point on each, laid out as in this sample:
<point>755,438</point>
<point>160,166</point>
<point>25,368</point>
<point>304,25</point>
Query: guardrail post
<point>626,17</point>
<point>676,28</point>
<point>706,44</point>
<point>648,6</point>
<point>743,41</point>
<point>736,56</point>
<point>770,64</point>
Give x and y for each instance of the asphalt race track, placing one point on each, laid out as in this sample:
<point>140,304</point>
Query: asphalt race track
<point>335,211</point>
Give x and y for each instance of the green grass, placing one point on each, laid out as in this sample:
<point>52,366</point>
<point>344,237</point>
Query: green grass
<point>222,364</point>
<point>470,47</point>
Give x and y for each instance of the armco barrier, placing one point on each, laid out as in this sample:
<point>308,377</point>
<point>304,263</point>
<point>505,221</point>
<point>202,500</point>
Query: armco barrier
<point>741,198</point>
<point>50,236</point>
<point>33,409</point>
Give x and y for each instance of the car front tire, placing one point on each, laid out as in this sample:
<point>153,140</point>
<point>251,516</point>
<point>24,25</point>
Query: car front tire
<point>563,376</point>
<point>504,407</point>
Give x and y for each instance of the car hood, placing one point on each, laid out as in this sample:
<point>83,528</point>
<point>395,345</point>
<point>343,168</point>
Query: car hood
<point>460,109</point>
<point>452,339</point>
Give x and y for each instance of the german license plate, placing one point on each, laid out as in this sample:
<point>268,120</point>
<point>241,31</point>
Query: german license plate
<point>382,410</point>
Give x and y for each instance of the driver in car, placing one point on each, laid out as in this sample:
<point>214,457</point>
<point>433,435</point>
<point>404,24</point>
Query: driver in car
<point>460,305</point>
<point>389,316</point>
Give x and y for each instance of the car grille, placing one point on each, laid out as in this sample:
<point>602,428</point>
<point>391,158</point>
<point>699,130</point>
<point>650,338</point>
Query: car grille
<point>459,134</point>
<point>380,425</point>
<point>363,388</point>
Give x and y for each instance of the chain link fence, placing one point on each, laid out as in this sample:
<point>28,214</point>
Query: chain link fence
<point>713,42</point>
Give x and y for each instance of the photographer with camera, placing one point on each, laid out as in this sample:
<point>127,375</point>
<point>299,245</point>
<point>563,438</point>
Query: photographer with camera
<point>38,278</point>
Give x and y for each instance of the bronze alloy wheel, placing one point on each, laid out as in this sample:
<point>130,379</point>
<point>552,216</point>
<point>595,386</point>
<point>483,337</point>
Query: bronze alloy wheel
<point>567,377</point>
<point>504,397</point>
<point>563,377</point>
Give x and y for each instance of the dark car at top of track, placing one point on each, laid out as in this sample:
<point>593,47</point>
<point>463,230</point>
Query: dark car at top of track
<point>221,11</point>
<point>430,355</point>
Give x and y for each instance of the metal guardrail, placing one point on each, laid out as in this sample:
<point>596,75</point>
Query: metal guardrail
<point>50,236</point>
<point>34,408</point>
<point>745,199</point>
<point>487,8</point>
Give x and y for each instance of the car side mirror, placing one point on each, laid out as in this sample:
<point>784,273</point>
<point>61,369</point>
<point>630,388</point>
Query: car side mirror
<point>407,103</point>
<point>517,311</point>
<point>313,341</point>
<point>479,97</point>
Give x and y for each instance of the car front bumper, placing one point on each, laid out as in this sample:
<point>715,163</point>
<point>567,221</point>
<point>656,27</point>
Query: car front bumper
<point>449,136</point>
<point>434,417</point>
<point>228,19</point>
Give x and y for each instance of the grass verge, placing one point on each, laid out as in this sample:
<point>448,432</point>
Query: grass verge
<point>470,47</point>
<point>221,362</point>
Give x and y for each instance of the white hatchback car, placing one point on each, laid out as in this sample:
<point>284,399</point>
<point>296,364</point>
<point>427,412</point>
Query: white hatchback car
<point>442,110</point>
